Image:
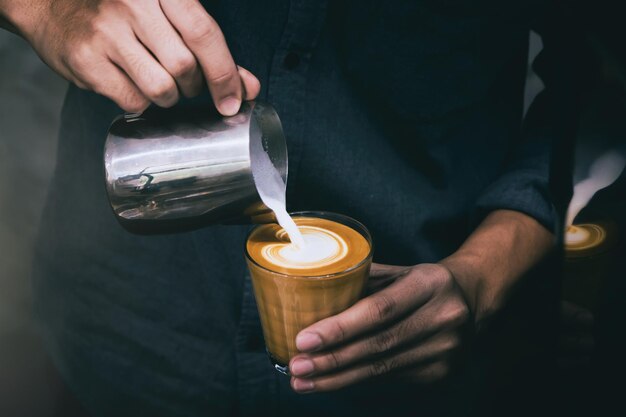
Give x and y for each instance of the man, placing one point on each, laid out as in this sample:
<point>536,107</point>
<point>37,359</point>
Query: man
<point>405,115</point>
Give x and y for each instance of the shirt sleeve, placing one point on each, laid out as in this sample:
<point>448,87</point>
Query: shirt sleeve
<point>535,180</point>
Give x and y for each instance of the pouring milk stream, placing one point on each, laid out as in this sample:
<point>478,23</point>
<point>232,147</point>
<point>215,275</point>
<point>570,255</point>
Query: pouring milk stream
<point>309,246</point>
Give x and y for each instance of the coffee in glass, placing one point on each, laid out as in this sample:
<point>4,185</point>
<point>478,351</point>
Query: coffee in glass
<point>296,286</point>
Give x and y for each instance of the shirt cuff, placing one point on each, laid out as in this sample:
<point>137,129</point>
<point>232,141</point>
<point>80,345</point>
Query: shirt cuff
<point>523,190</point>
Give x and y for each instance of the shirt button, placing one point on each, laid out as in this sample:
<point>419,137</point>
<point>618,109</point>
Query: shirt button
<point>292,60</point>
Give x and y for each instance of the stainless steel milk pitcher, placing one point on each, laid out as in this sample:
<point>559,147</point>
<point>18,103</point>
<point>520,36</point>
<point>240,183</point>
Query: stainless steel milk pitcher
<point>176,169</point>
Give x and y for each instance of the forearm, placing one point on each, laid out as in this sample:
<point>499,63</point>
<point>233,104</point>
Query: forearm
<point>505,246</point>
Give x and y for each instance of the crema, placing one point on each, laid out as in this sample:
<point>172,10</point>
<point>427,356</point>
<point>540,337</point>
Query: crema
<point>329,247</point>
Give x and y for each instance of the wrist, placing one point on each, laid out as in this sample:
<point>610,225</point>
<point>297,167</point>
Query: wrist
<point>488,266</point>
<point>482,298</point>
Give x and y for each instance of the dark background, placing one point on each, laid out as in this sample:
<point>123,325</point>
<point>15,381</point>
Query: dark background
<point>30,101</point>
<point>31,96</point>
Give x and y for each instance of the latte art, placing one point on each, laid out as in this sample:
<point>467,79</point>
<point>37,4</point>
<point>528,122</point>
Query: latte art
<point>576,236</point>
<point>329,247</point>
<point>322,248</point>
<point>584,236</point>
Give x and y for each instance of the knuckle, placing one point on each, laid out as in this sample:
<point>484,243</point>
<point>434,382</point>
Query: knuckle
<point>99,88</point>
<point>383,342</point>
<point>100,28</point>
<point>222,78</point>
<point>382,308</point>
<point>161,90</point>
<point>333,360</point>
<point>451,343</point>
<point>453,314</point>
<point>136,9</point>
<point>182,66</point>
<point>203,30</point>
<point>442,276</point>
<point>338,331</point>
<point>378,367</point>
<point>463,314</point>
<point>80,57</point>
<point>106,28</point>
<point>457,314</point>
<point>135,62</point>
<point>132,103</point>
<point>134,106</point>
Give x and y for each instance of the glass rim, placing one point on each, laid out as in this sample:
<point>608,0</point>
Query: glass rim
<point>340,218</point>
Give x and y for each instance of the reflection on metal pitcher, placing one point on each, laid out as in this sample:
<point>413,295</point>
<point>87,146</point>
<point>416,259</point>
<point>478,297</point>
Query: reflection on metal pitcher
<point>168,165</point>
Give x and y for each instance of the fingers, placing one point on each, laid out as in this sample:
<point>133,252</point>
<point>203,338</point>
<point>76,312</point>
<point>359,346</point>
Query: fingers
<point>372,312</point>
<point>205,39</point>
<point>251,84</point>
<point>416,327</point>
<point>371,338</point>
<point>427,360</point>
<point>164,47</point>
<point>446,319</point>
<point>105,78</point>
<point>158,35</point>
<point>150,77</point>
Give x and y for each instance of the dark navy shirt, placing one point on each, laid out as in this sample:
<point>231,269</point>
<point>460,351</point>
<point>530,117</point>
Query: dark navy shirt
<point>406,115</point>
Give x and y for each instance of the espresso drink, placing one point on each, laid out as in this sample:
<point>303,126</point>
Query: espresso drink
<point>297,285</point>
<point>587,259</point>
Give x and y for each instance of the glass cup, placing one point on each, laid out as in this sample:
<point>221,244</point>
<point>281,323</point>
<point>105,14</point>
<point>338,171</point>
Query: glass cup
<point>289,303</point>
<point>589,251</point>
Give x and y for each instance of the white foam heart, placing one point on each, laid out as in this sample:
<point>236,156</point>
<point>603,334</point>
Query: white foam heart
<point>322,247</point>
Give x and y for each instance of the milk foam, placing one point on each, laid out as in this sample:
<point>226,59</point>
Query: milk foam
<point>576,235</point>
<point>322,247</point>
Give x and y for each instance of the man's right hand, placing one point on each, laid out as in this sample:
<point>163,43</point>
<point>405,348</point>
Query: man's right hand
<point>134,52</point>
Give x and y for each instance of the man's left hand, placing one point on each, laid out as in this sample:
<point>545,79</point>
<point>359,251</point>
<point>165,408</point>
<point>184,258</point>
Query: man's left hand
<point>413,327</point>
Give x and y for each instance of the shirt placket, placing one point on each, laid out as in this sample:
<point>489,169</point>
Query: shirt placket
<point>287,84</point>
<point>286,90</point>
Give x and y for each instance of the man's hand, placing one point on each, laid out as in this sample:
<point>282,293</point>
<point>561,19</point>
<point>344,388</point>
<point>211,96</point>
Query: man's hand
<point>134,52</point>
<point>415,325</point>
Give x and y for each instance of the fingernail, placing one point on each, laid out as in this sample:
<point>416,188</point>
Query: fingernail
<point>303,385</point>
<point>301,367</point>
<point>229,106</point>
<point>306,342</point>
